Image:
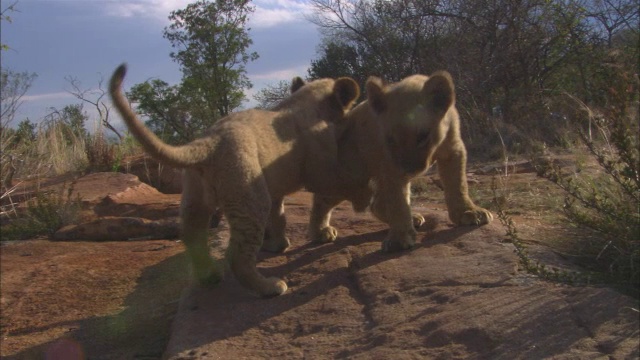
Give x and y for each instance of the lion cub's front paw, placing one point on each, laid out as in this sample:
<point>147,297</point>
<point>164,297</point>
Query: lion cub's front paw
<point>418,220</point>
<point>399,240</point>
<point>325,235</point>
<point>477,216</point>
<point>273,286</point>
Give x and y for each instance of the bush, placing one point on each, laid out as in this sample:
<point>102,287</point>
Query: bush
<point>101,155</point>
<point>46,213</point>
<point>606,201</point>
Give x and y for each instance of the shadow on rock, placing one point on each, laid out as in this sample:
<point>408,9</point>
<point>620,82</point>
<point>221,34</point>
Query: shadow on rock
<point>140,328</point>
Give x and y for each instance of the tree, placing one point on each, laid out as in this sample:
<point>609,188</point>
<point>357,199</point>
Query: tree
<point>13,86</point>
<point>340,58</point>
<point>507,56</point>
<point>4,16</point>
<point>271,95</point>
<point>71,118</point>
<point>26,132</point>
<point>210,39</point>
<point>95,98</point>
<point>165,108</point>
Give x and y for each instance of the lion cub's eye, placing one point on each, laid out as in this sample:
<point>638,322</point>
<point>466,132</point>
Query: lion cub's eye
<point>423,138</point>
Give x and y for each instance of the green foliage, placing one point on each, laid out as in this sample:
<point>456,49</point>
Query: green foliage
<point>166,110</point>
<point>26,132</point>
<point>536,267</point>
<point>13,86</point>
<point>508,58</point>
<point>210,42</point>
<point>340,59</point>
<point>4,16</point>
<point>46,213</point>
<point>71,119</point>
<point>607,202</point>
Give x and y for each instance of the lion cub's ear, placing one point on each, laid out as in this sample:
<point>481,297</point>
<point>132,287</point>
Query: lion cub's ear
<point>376,94</point>
<point>439,92</point>
<point>296,84</point>
<point>347,91</point>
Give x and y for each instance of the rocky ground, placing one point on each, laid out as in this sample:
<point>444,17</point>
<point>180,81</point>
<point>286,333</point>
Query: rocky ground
<point>459,294</point>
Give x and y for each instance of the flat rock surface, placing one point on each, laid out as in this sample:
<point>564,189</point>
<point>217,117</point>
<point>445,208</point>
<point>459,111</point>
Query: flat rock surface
<point>458,294</point>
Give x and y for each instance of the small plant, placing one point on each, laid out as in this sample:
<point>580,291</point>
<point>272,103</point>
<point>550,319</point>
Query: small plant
<point>45,214</point>
<point>528,264</point>
<point>101,155</point>
<point>606,201</point>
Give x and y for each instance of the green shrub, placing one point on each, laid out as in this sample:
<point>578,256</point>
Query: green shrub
<point>46,213</point>
<point>606,201</point>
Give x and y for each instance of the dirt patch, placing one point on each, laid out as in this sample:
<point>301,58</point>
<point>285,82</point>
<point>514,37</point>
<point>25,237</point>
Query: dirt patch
<point>110,300</point>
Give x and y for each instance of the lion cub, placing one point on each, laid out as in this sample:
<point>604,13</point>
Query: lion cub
<point>393,136</point>
<point>247,161</point>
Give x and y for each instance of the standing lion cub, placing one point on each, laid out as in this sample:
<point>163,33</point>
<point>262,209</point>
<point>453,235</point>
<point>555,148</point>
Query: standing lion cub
<point>393,136</point>
<point>246,162</point>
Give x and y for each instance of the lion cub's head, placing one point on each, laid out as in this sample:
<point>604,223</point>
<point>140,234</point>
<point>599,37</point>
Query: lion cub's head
<point>415,114</point>
<point>332,98</point>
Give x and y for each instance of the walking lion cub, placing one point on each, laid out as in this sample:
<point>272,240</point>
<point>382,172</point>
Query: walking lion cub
<point>393,136</point>
<point>246,162</point>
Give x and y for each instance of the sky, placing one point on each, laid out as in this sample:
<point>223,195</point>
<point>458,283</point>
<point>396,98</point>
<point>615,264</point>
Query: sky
<point>88,39</point>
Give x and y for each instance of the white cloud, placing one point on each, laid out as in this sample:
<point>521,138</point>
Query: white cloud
<point>158,9</point>
<point>267,13</point>
<point>48,96</point>
<point>270,78</point>
<point>282,74</point>
<point>270,13</point>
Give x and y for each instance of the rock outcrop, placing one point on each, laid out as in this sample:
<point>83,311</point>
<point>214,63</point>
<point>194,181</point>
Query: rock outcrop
<point>459,294</point>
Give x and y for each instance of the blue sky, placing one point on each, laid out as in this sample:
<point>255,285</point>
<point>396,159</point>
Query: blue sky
<point>87,39</point>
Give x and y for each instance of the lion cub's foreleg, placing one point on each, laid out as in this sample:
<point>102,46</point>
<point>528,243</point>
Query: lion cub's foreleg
<point>452,170</point>
<point>275,239</point>
<point>391,205</point>
<point>320,229</point>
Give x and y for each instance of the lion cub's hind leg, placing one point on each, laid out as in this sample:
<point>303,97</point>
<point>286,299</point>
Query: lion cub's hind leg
<point>196,215</point>
<point>320,230</point>
<point>247,213</point>
<point>275,239</point>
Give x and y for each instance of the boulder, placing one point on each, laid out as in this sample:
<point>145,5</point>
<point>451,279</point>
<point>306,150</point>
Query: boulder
<point>112,228</point>
<point>117,206</point>
<point>162,177</point>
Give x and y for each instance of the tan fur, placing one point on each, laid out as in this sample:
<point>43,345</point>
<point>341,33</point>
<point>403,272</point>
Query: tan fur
<point>245,163</point>
<point>398,133</point>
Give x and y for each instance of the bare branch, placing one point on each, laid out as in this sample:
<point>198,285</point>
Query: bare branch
<point>94,98</point>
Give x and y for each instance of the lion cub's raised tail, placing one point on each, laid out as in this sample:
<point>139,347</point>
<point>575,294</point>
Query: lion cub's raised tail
<point>178,156</point>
